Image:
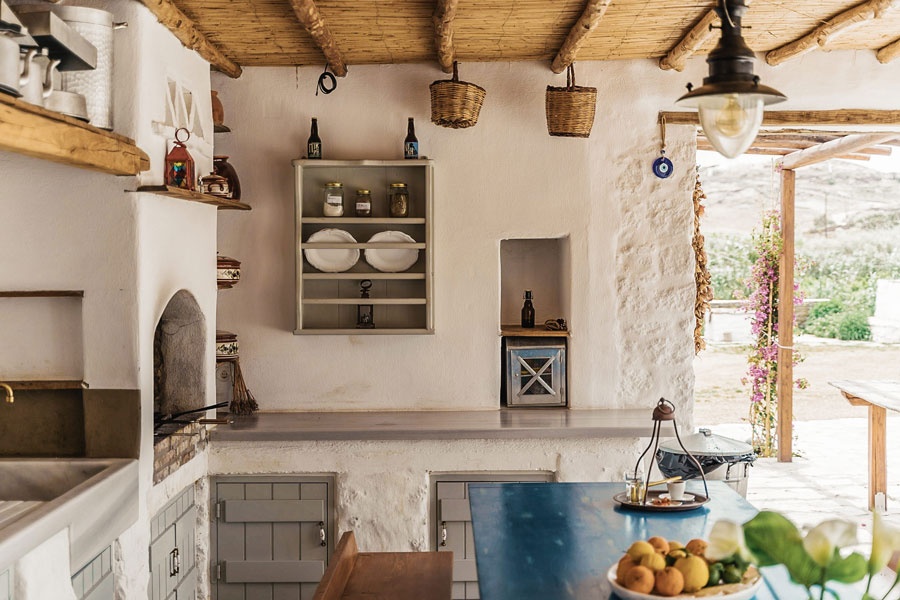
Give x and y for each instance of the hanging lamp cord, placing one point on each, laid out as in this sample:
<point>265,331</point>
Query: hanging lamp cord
<point>327,83</point>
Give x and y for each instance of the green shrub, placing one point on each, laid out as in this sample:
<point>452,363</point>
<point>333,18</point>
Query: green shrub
<point>854,326</point>
<point>826,326</point>
<point>823,309</point>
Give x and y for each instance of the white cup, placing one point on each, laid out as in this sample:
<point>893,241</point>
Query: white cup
<point>676,490</point>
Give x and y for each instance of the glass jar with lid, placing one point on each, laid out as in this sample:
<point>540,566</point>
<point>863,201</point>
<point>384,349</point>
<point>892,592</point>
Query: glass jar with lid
<point>333,201</point>
<point>398,200</point>
<point>363,203</point>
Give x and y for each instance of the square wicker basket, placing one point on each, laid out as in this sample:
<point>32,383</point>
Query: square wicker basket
<point>570,110</point>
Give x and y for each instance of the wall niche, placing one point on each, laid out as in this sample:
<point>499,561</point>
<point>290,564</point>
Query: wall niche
<point>541,265</point>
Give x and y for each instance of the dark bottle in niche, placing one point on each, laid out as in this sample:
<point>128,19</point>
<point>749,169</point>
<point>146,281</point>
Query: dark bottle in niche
<point>410,144</point>
<point>528,311</point>
<point>314,144</point>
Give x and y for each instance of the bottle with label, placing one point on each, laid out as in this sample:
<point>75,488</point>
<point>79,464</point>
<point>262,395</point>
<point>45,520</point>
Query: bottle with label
<point>363,203</point>
<point>314,144</point>
<point>333,204</point>
<point>411,144</point>
<point>528,311</point>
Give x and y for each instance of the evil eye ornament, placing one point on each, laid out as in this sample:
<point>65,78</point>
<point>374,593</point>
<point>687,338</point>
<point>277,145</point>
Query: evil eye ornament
<point>662,167</point>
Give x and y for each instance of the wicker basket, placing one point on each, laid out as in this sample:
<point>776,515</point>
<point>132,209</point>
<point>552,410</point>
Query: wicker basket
<point>570,109</point>
<point>455,103</point>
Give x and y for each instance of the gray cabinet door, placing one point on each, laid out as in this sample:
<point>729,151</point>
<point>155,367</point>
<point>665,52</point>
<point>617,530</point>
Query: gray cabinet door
<point>268,538</point>
<point>162,572</point>
<point>173,550</point>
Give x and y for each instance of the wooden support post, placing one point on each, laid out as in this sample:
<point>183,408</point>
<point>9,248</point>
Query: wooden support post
<point>444,13</point>
<point>690,43</point>
<point>877,453</point>
<point>830,29</point>
<point>590,18</point>
<point>309,16</point>
<point>187,33</point>
<point>845,145</point>
<point>785,380</point>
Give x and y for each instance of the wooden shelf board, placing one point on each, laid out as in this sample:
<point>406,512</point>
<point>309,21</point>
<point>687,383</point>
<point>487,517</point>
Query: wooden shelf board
<point>364,301</point>
<point>363,246</point>
<point>191,196</point>
<point>49,384</point>
<point>361,276</point>
<point>35,131</point>
<point>376,331</point>
<point>365,220</point>
<point>42,294</point>
<point>536,331</point>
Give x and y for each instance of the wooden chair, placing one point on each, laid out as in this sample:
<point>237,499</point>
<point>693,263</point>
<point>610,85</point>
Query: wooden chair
<point>354,575</point>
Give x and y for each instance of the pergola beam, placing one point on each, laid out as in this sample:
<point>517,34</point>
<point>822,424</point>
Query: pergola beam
<point>187,33</point>
<point>690,43</point>
<point>888,53</point>
<point>846,145</point>
<point>444,13</point>
<point>803,118</point>
<point>590,18</point>
<point>763,151</point>
<point>309,16</point>
<point>830,29</point>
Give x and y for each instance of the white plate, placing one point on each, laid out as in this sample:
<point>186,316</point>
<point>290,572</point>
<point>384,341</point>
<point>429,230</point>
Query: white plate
<point>392,260</point>
<point>737,591</point>
<point>684,497</point>
<point>332,260</point>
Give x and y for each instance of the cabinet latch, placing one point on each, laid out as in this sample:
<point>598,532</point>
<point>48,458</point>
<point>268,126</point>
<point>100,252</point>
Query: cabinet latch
<point>322,541</point>
<point>174,562</point>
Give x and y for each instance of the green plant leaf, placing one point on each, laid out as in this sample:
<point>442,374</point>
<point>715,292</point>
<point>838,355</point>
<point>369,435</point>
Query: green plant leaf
<point>847,569</point>
<point>773,539</point>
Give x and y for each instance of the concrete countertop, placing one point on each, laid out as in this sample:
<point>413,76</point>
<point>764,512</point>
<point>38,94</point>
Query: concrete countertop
<point>438,425</point>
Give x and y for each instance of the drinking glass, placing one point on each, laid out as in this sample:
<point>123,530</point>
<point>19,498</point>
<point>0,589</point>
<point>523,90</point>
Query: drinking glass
<point>634,486</point>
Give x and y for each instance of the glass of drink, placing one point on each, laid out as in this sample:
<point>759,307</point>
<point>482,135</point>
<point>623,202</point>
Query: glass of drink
<point>634,486</point>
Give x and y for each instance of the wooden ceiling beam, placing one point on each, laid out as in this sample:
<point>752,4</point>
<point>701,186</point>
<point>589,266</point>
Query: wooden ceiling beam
<point>309,16</point>
<point>187,33</point>
<point>830,29</point>
<point>776,152</point>
<point>690,43</point>
<point>835,148</point>
<point>888,53</point>
<point>590,18</point>
<point>444,13</point>
<point>849,117</point>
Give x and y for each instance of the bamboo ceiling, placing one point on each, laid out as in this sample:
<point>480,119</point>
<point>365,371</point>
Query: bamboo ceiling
<point>273,32</point>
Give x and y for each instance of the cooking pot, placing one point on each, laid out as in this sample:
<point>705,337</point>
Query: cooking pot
<point>67,103</point>
<point>9,65</point>
<point>37,78</point>
<point>712,452</point>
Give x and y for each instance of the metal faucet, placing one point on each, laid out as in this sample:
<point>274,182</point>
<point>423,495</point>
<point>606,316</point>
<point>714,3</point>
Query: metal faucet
<point>10,397</point>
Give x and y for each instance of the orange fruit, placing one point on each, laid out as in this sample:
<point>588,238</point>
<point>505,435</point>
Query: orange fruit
<point>696,547</point>
<point>669,582</point>
<point>639,579</point>
<point>625,563</point>
<point>660,543</point>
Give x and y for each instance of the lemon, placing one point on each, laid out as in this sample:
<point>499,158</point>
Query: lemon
<point>675,545</point>
<point>695,572</point>
<point>653,561</point>
<point>639,549</point>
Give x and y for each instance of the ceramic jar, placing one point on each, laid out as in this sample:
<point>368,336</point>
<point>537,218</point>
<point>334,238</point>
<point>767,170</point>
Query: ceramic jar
<point>215,185</point>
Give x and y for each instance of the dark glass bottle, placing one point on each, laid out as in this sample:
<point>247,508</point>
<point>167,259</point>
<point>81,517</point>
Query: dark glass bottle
<point>314,144</point>
<point>410,144</point>
<point>528,311</point>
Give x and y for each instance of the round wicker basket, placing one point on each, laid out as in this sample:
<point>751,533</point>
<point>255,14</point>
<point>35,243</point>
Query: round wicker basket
<point>454,103</point>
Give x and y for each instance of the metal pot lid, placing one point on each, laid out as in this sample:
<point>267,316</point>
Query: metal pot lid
<point>706,443</point>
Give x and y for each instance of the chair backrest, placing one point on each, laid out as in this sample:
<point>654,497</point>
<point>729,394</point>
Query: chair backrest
<point>333,582</point>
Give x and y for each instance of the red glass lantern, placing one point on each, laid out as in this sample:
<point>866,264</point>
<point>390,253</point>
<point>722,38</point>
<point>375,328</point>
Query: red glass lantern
<point>179,164</point>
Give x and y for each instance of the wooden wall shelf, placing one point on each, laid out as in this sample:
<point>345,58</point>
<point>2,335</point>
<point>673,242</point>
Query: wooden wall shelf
<point>35,131</point>
<point>42,294</point>
<point>182,194</point>
<point>536,331</point>
<point>50,384</point>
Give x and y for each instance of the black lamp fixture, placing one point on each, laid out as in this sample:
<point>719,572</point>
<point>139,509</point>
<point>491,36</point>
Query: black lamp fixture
<point>731,100</point>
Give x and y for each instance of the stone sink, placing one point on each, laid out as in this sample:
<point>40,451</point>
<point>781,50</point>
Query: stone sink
<point>95,498</point>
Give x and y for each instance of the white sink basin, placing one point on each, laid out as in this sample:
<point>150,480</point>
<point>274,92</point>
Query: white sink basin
<point>95,498</point>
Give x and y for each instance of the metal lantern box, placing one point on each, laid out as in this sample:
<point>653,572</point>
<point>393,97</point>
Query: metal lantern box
<point>535,372</point>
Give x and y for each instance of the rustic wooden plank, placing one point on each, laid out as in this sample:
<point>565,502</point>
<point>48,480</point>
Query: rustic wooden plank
<point>42,294</point>
<point>877,453</point>
<point>578,35</point>
<point>536,331</point>
<point>309,16</point>
<point>845,145</point>
<point>884,393</point>
<point>854,400</point>
<point>830,29</point>
<point>187,33</point>
<point>336,576</point>
<point>54,384</point>
<point>785,377</point>
<point>41,133</point>
<point>444,13</point>
<point>690,43</point>
<point>192,196</point>
<point>803,118</point>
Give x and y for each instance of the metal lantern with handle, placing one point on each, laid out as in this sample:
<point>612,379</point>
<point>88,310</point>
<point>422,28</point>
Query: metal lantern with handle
<point>179,164</point>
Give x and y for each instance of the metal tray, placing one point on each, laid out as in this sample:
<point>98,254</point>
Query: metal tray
<point>698,501</point>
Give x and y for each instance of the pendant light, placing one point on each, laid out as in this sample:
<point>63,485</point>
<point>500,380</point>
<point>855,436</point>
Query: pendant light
<point>731,100</point>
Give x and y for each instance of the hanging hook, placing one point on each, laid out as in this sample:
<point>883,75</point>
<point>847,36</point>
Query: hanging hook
<point>662,133</point>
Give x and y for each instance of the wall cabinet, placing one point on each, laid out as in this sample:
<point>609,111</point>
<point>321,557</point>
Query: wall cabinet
<point>95,580</point>
<point>453,522</point>
<point>173,550</point>
<point>6,585</point>
<point>271,536</point>
<point>327,300</point>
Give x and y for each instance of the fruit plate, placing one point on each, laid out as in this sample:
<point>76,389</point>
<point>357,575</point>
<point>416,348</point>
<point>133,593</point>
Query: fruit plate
<point>654,502</point>
<point>728,591</point>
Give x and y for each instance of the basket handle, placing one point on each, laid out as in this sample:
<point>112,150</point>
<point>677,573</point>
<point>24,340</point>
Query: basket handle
<point>455,72</point>
<point>570,76</point>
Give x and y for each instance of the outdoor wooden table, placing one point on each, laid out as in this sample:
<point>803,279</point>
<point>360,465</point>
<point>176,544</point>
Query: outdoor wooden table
<point>543,541</point>
<point>879,397</point>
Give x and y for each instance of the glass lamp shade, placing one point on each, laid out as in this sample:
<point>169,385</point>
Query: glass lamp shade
<point>731,121</point>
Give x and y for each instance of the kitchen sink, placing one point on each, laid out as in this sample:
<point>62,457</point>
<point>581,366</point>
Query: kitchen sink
<point>96,499</point>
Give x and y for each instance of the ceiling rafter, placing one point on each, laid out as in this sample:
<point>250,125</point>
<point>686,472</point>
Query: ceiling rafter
<point>846,145</point>
<point>888,53</point>
<point>850,117</point>
<point>444,13</point>
<point>309,16</point>
<point>587,22</point>
<point>690,43</point>
<point>830,29</point>
<point>187,33</point>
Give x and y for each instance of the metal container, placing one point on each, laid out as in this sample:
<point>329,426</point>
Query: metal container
<point>535,371</point>
<point>712,452</point>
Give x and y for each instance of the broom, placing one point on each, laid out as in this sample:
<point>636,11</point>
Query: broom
<point>242,402</point>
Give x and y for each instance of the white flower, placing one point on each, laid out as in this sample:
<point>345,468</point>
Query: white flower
<point>826,537</point>
<point>885,541</point>
<point>727,539</point>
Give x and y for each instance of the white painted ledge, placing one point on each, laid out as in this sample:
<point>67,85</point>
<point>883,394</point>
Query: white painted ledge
<point>438,425</point>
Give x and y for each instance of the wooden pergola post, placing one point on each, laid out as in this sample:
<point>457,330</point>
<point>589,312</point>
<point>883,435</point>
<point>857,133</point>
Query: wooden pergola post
<point>785,378</point>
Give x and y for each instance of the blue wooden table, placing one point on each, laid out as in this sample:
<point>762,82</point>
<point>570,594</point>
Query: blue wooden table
<point>556,541</point>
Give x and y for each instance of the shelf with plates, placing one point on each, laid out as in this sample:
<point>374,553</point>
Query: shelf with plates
<point>335,255</point>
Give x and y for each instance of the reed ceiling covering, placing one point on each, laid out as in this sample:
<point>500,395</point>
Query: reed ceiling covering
<point>238,33</point>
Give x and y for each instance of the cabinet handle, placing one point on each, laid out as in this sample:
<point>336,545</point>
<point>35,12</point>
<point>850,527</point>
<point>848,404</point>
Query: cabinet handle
<point>322,534</point>
<point>443,533</point>
<point>174,562</point>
